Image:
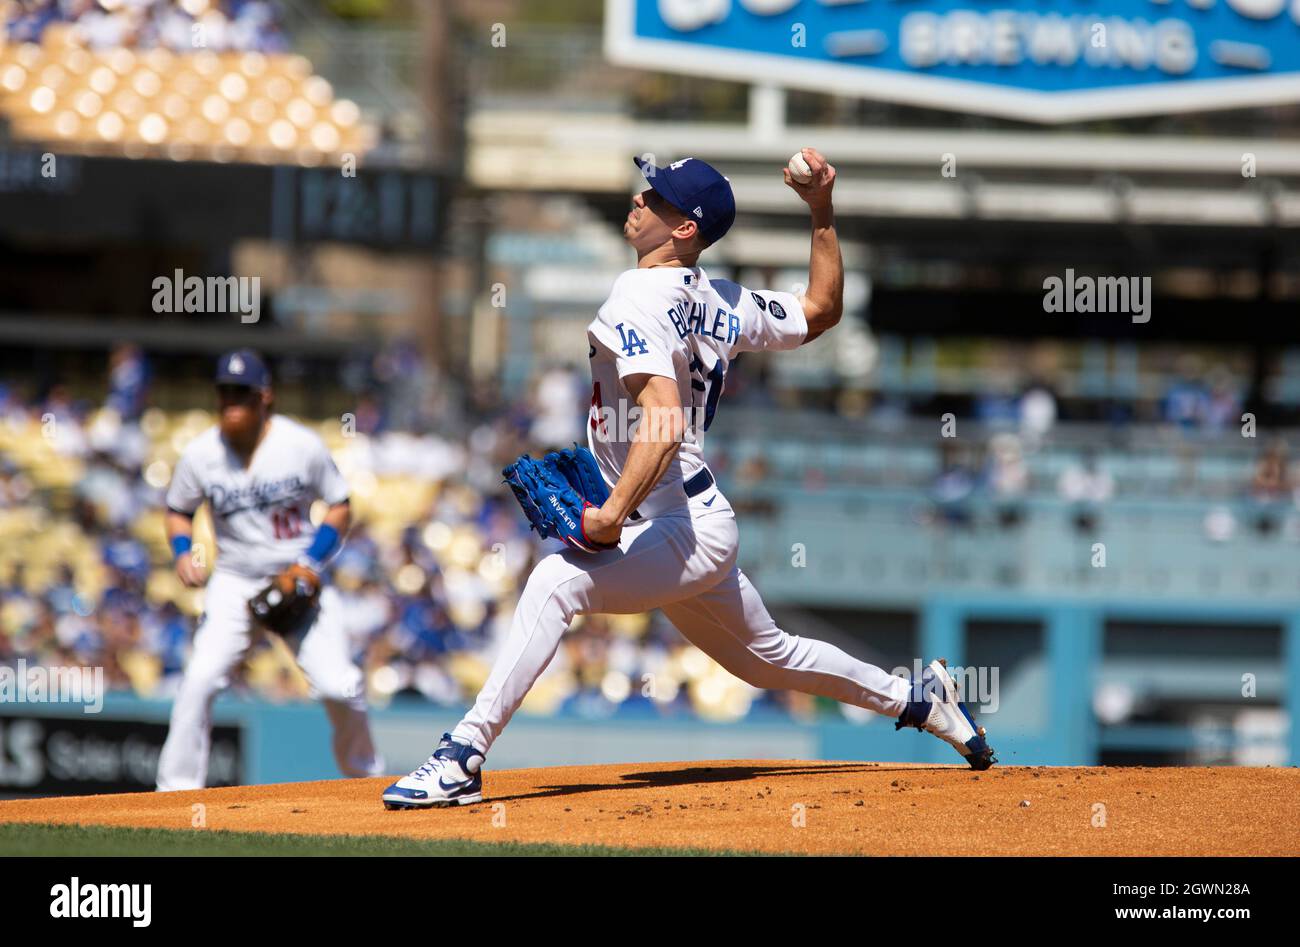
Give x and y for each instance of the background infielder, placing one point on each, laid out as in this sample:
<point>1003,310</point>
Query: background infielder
<point>260,473</point>
<point>662,344</point>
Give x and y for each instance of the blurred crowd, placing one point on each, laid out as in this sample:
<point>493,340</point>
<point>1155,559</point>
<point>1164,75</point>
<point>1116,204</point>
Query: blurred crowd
<point>427,577</point>
<point>996,477</point>
<point>1193,399</point>
<point>430,572</point>
<point>178,25</point>
<point>999,455</point>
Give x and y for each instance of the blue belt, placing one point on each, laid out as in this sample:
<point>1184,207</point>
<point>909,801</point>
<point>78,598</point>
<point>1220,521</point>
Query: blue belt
<point>693,487</point>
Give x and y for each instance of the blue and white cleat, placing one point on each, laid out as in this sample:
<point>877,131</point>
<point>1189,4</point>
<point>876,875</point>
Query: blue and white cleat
<point>451,777</point>
<point>936,707</point>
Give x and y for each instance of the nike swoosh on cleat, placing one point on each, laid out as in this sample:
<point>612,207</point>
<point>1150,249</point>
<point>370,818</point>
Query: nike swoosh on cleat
<point>462,784</point>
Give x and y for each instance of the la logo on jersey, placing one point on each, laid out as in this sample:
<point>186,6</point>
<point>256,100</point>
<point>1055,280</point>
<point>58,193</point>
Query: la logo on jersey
<point>632,343</point>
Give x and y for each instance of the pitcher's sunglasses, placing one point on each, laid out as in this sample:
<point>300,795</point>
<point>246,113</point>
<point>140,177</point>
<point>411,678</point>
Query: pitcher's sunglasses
<point>237,393</point>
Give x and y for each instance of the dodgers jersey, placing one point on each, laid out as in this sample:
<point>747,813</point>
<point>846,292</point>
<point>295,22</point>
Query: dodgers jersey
<point>678,323</point>
<point>260,514</point>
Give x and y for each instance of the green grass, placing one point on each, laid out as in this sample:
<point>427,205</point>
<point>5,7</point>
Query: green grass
<point>83,840</point>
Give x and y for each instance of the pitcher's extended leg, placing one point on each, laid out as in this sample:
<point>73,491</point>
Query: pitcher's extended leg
<point>730,623</point>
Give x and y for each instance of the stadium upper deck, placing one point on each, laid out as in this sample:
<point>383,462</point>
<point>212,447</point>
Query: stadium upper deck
<point>224,90</point>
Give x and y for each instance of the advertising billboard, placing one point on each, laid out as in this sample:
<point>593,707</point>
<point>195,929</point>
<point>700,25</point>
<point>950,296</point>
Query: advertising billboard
<point>1035,60</point>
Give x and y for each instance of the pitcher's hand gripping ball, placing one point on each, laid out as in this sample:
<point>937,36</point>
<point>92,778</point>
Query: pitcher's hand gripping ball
<point>288,602</point>
<point>800,170</point>
<point>555,490</point>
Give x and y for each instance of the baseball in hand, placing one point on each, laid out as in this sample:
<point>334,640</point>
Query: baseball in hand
<point>799,169</point>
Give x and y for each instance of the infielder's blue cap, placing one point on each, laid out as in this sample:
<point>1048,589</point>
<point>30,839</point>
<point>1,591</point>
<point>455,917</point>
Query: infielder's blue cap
<point>243,367</point>
<point>696,189</point>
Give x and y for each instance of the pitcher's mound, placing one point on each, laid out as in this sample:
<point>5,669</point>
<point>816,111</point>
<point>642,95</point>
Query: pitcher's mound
<point>749,805</point>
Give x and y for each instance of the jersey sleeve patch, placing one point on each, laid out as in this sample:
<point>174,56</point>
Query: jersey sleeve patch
<point>771,321</point>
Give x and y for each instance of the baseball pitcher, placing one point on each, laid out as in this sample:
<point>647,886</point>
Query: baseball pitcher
<point>259,472</point>
<point>653,530</point>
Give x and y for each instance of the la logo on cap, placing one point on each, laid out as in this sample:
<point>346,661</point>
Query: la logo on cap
<point>699,212</point>
<point>236,365</point>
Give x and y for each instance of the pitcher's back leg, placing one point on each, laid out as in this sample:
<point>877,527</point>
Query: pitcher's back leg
<point>730,623</point>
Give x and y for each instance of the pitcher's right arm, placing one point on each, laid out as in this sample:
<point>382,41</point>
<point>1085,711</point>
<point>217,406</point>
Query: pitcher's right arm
<point>823,302</point>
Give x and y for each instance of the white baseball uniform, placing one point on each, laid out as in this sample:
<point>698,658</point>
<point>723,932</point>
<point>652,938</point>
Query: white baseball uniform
<point>678,550</point>
<point>260,515</point>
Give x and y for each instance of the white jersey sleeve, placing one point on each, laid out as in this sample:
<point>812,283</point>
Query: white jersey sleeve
<point>185,493</point>
<point>326,479</point>
<point>639,340</point>
<point>769,320</point>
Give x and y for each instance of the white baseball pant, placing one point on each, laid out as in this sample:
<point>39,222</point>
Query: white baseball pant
<point>224,637</point>
<point>683,562</point>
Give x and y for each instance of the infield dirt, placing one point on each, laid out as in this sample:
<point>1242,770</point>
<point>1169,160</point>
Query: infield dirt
<point>796,807</point>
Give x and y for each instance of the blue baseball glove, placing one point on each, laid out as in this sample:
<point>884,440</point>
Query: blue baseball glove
<point>555,490</point>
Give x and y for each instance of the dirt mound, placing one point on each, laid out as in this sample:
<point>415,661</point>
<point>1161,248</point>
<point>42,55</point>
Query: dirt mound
<point>823,808</point>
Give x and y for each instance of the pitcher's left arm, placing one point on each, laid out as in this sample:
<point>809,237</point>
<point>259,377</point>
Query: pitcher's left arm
<point>658,436</point>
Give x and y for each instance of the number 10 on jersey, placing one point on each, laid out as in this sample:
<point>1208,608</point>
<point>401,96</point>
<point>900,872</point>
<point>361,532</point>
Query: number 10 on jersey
<point>286,521</point>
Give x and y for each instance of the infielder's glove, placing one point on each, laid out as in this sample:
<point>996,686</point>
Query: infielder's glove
<point>287,604</point>
<point>555,490</point>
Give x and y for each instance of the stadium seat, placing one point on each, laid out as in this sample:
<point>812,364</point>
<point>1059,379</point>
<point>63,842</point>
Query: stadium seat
<point>222,106</point>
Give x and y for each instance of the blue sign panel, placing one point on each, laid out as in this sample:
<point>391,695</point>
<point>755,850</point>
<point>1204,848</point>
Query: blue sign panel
<point>1045,60</point>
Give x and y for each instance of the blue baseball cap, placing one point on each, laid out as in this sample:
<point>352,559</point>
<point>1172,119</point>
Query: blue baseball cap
<point>243,367</point>
<point>698,190</point>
